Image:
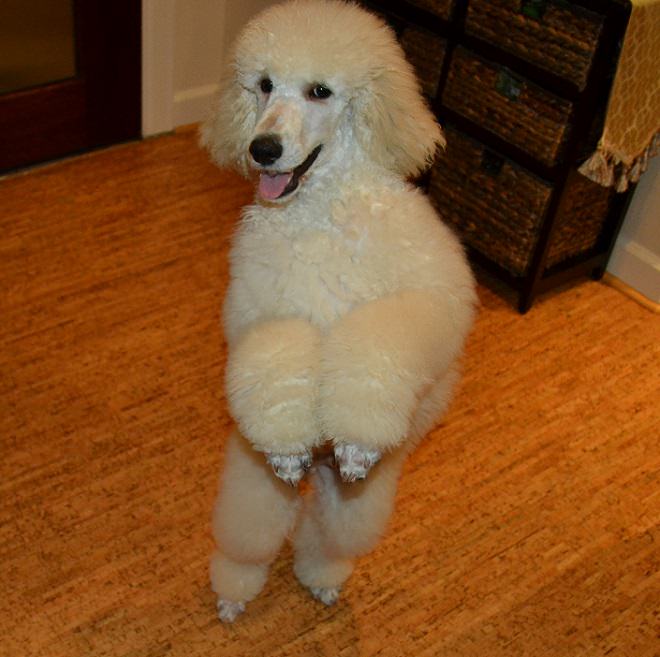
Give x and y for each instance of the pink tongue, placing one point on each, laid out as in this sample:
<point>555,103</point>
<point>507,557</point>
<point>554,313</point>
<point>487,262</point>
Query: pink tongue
<point>272,187</point>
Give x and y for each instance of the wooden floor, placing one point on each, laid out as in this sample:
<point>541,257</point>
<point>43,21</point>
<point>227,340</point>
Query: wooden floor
<point>526,525</point>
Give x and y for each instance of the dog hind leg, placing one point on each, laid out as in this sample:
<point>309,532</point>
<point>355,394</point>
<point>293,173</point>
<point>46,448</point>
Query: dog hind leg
<point>341,521</point>
<point>253,514</point>
<point>317,569</point>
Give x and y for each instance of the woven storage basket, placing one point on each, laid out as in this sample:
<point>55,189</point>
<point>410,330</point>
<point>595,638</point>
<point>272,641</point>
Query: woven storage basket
<point>440,8</point>
<point>557,36</point>
<point>426,52</point>
<point>580,220</point>
<point>496,206</point>
<point>509,106</point>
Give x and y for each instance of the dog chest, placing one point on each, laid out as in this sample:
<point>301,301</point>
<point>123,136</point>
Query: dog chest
<point>316,273</point>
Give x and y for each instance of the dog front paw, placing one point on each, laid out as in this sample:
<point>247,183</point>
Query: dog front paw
<point>290,468</point>
<point>328,597</point>
<point>354,462</point>
<point>229,611</point>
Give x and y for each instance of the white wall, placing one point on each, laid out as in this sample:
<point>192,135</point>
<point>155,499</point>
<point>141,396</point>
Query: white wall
<point>200,41</point>
<point>157,66</point>
<point>184,45</point>
<point>636,256</point>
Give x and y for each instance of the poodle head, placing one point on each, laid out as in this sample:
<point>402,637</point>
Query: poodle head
<point>312,83</point>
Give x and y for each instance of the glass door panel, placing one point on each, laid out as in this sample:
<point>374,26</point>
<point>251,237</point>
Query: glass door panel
<point>37,43</point>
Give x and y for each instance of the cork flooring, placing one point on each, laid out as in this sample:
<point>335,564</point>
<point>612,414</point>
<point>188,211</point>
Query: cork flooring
<point>526,525</point>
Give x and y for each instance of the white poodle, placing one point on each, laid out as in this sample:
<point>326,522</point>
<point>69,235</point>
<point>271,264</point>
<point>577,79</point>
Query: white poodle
<point>349,300</point>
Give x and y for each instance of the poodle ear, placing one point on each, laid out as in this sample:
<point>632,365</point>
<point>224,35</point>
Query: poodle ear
<point>392,120</point>
<point>227,131</point>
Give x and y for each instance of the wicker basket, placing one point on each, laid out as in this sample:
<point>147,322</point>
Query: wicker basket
<point>512,108</point>
<point>440,8</point>
<point>426,52</point>
<point>496,206</point>
<point>580,220</point>
<point>560,37</point>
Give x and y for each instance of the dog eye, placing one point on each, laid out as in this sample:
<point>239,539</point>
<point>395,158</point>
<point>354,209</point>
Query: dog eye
<point>319,92</point>
<point>266,85</point>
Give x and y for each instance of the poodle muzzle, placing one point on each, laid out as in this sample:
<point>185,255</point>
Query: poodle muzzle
<point>273,185</point>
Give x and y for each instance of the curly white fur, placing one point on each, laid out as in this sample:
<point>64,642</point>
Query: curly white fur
<point>349,300</point>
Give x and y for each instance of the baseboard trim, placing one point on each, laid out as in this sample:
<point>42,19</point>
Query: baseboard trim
<point>192,105</point>
<point>624,288</point>
<point>638,268</point>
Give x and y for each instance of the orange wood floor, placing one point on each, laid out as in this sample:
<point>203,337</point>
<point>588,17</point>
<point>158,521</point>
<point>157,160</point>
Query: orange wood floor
<point>527,525</point>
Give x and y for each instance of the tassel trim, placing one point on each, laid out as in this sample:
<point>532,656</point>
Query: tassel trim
<point>608,170</point>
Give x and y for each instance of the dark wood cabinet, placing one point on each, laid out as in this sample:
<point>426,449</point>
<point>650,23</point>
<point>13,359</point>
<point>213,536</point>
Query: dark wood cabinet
<point>521,88</point>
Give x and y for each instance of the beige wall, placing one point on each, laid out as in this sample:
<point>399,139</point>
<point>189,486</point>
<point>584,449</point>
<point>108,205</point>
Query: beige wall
<point>199,42</point>
<point>636,256</point>
<point>184,44</point>
<point>204,31</point>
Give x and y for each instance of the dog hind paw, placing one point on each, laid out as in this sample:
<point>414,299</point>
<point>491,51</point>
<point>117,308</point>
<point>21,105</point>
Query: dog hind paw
<point>290,468</point>
<point>354,462</point>
<point>328,597</point>
<point>229,611</point>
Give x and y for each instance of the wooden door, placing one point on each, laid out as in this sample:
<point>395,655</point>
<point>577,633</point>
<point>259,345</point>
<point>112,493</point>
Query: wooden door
<point>97,104</point>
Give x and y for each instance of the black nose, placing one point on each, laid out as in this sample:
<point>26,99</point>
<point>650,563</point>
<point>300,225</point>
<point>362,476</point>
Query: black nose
<point>266,149</point>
